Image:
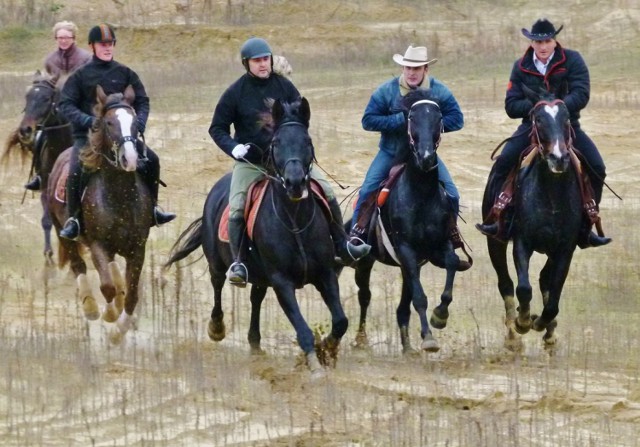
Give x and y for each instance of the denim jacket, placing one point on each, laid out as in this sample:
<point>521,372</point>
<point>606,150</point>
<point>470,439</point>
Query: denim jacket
<point>384,113</point>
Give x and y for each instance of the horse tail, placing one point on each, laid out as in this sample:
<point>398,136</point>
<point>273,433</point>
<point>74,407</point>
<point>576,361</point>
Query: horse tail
<point>187,242</point>
<point>13,142</point>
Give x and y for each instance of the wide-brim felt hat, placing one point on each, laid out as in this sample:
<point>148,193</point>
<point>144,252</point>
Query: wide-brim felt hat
<point>542,30</point>
<point>414,57</point>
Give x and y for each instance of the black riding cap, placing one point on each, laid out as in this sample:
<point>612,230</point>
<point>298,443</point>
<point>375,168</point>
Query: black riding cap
<point>542,30</point>
<point>102,33</point>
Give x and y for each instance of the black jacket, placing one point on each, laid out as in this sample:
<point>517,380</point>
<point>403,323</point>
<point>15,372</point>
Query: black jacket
<point>79,92</point>
<point>567,77</point>
<point>242,105</point>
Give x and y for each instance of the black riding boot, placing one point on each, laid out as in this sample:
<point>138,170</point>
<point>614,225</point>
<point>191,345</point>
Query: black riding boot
<point>587,237</point>
<point>35,184</point>
<point>237,273</point>
<point>150,173</point>
<point>71,229</point>
<point>346,249</point>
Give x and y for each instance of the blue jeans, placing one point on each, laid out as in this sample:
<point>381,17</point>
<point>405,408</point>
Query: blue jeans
<point>379,170</point>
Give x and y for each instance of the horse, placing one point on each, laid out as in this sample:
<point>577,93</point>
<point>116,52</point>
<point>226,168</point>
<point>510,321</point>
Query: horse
<point>117,212</point>
<point>291,244</point>
<point>547,219</point>
<point>412,227</point>
<point>42,127</point>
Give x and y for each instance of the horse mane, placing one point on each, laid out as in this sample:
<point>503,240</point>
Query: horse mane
<point>89,155</point>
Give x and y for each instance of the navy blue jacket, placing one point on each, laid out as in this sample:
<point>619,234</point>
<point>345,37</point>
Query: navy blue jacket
<point>567,78</point>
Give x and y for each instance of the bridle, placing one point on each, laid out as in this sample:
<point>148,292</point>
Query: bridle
<point>52,110</point>
<point>436,143</point>
<point>116,144</point>
<point>279,176</point>
<point>535,134</point>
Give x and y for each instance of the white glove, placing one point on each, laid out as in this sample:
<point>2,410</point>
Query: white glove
<point>240,151</point>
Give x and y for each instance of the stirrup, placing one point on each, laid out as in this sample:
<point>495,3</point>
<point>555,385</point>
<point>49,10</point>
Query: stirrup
<point>359,250</point>
<point>71,229</point>
<point>235,277</point>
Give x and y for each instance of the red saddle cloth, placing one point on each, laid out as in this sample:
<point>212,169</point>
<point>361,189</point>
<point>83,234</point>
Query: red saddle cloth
<point>378,199</point>
<point>256,194</point>
<point>61,185</point>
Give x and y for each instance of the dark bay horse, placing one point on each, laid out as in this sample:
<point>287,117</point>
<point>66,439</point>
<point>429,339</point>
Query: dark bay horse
<point>117,212</point>
<point>547,220</point>
<point>412,227</point>
<point>44,128</point>
<point>291,244</point>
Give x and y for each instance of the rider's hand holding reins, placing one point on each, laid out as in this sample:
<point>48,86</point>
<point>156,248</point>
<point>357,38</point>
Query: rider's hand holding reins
<point>240,151</point>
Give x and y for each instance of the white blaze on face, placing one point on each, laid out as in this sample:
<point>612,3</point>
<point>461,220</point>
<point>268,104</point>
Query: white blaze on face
<point>130,154</point>
<point>553,110</point>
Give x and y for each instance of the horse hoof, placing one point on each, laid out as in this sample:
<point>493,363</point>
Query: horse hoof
<point>522,328</point>
<point>430,345</point>
<point>216,331</point>
<point>513,343</point>
<point>110,313</point>
<point>257,350</point>
<point>436,322</point>
<point>316,369</point>
<point>115,336</point>
<point>90,308</point>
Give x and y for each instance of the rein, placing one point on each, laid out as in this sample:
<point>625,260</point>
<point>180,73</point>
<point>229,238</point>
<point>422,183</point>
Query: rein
<point>279,176</point>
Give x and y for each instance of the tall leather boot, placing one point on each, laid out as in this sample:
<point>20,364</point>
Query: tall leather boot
<point>35,184</point>
<point>150,173</point>
<point>457,242</point>
<point>71,229</point>
<point>345,249</point>
<point>237,274</point>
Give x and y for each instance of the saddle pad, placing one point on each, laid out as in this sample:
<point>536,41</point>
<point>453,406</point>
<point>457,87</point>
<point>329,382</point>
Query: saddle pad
<point>61,186</point>
<point>256,195</point>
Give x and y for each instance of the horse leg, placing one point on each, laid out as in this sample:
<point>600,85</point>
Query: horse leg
<point>285,292</point>
<point>70,250</point>
<point>257,297</point>
<point>546,321</point>
<point>440,313</point>
<point>522,256</point>
<point>102,261</point>
<point>498,256</point>
<point>46,228</point>
<point>114,308</point>
<point>363,278</point>
<point>89,305</point>
<point>126,319</point>
<point>403,316</point>
<point>216,329</point>
<point>328,348</point>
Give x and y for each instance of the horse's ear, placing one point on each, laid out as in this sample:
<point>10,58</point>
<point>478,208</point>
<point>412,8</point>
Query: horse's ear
<point>277,111</point>
<point>129,94</point>
<point>305,110</point>
<point>100,94</point>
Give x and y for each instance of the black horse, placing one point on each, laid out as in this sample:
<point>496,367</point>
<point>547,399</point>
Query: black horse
<point>548,217</point>
<point>412,227</point>
<point>291,244</point>
<point>45,133</point>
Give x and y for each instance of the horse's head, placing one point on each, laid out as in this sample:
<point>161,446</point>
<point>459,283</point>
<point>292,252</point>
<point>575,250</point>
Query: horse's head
<point>424,126</point>
<point>41,101</point>
<point>551,129</point>
<point>114,138</point>
<point>291,149</point>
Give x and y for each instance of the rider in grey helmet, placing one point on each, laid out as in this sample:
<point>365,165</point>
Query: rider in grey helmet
<point>241,106</point>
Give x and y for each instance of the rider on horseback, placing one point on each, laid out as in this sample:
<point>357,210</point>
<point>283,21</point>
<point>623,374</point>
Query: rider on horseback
<point>78,99</point>
<point>545,65</point>
<point>384,114</point>
<point>241,105</point>
<point>60,62</point>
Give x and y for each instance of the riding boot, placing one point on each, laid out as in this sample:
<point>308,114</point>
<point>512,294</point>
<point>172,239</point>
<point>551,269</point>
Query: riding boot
<point>587,237</point>
<point>71,229</point>
<point>237,274</point>
<point>35,184</point>
<point>149,171</point>
<point>347,250</point>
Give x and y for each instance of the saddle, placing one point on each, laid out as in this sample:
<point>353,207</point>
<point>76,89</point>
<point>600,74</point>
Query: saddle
<point>510,186</point>
<point>255,199</point>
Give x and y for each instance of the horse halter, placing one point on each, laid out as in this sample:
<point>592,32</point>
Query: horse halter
<point>411,141</point>
<point>52,109</point>
<point>272,148</point>
<point>535,134</point>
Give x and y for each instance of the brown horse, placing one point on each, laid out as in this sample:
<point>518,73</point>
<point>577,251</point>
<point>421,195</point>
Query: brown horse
<point>45,132</point>
<point>117,212</point>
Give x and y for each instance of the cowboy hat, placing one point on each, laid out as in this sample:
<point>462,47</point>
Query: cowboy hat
<point>414,57</point>
<point>542,30</point>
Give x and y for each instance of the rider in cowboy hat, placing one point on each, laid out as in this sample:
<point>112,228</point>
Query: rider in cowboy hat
<point>384,114</point>
<point>549,66</point>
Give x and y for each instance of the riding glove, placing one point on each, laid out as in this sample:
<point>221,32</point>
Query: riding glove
<point>240,151</point>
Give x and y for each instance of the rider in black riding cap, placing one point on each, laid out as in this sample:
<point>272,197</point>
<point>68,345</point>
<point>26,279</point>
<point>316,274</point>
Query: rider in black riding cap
<point>549,66</point>
<point>78,99</point>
